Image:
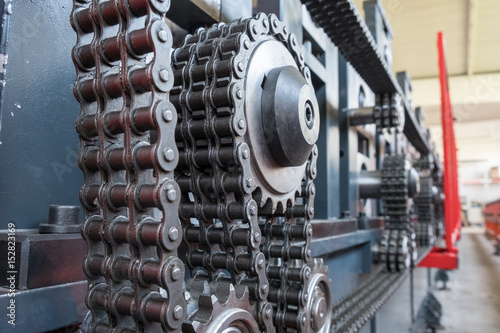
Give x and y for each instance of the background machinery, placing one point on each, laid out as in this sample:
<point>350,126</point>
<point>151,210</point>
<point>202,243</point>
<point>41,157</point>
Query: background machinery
<point>242,171</point>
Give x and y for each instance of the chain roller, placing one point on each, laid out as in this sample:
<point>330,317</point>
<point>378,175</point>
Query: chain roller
<point>128,155</point>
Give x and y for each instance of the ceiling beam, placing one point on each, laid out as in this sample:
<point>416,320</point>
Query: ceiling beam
<point>471,36</point>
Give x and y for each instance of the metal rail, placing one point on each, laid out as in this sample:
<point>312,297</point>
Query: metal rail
<point>353,311</point>
<point>342,22</point>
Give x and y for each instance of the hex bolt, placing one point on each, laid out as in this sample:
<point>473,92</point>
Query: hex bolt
<point>164,75</point>
<point>168,115</point>
<point>169,154</point>
<point>163,35</point>
<point>178,312</point>
<point>173,233</point>
<point>176,273</point>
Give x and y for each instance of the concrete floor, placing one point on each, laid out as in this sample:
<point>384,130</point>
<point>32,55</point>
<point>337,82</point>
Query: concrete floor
<point>471,302</point>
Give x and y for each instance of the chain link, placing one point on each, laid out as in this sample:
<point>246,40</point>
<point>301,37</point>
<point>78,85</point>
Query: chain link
<point>128,156</point>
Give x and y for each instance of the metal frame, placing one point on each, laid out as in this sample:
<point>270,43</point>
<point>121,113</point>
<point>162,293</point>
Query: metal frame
<point>447,258</point>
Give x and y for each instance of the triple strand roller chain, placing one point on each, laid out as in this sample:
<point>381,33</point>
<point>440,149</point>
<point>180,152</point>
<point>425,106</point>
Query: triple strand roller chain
<point>231,237</point>
<point>128,155</point>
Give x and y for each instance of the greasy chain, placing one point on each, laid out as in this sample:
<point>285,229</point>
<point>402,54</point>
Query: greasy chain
<point>128,155</point>
<point>215,175</point>
<point>397,246</point>
<point>132,140</point>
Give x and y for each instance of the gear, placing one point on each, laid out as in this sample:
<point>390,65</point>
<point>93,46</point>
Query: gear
<point>239,166</point>
<point>400,183</point>
<point>389,112</point>
<point>425,208</point>
<point>227,312</point>
<point>319,298</point>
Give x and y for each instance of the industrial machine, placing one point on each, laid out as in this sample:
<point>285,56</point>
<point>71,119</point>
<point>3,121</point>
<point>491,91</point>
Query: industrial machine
<point>492,221</point>
<point>242,166</point>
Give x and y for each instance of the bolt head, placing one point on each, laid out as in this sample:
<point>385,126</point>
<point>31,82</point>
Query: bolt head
<point>309,230</point>
<point>173,234</point>
<point>178,312</point>
<point>176,273</point>
<point>246,153</point>
<point>163,35</point>
<point>249,182</point>
<point>269,313</point>
<point>265,23</point>
<point>171,193</point>
<point>168,115</point>
<point>169,154</point>
<point>264,288</point>
<point>164,75</point>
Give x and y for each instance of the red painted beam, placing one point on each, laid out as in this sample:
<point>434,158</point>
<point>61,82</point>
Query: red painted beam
<point>447,258</point>
<point>441,258</point>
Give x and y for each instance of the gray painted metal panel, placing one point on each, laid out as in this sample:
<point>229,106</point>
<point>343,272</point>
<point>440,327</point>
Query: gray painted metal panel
<point>39,145</point>
<point>45,309</point>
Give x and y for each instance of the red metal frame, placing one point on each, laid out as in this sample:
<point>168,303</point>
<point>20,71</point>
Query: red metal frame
<point>447,258</point>
<point>492,220</point>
